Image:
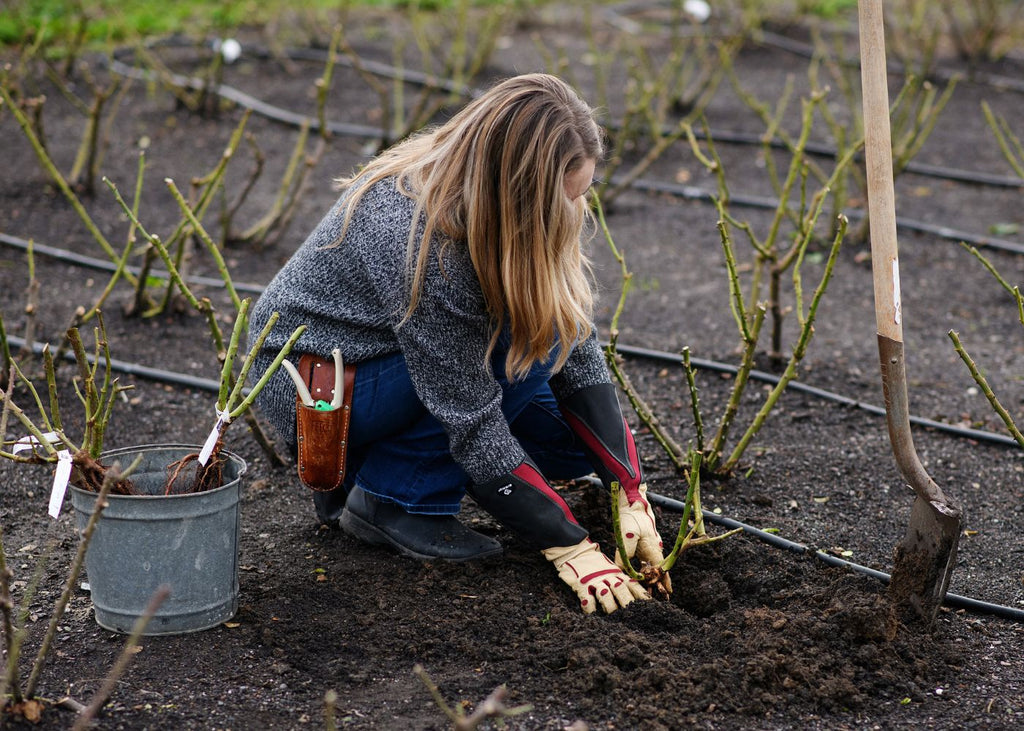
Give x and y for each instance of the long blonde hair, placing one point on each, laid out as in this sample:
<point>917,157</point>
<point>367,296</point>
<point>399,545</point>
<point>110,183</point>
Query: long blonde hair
<point>493,177</point>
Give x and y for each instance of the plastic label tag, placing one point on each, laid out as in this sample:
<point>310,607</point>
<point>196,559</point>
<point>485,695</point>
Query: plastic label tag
<point>62,474</point>
<point>30,442</point>
<point>60,482</point>
<point>211,440</point>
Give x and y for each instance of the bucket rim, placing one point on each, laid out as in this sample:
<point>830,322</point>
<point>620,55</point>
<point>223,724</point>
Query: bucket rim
<point>235,458</point>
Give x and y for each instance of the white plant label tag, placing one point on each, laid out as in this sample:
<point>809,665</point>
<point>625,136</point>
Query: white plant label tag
<point>211,440</point>
<point>60,482</point>
<point>62,474</point>
<point>896,305</point>
<point>30,441</point>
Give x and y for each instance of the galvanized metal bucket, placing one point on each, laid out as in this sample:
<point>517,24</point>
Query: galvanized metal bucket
<point>141,542</point>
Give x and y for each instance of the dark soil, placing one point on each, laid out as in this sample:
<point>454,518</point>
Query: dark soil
<point>753,637</point>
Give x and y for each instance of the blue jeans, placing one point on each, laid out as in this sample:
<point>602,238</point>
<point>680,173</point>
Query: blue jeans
<point>399,452</point>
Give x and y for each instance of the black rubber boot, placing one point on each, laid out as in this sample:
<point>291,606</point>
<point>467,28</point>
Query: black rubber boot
<point>423,537</point>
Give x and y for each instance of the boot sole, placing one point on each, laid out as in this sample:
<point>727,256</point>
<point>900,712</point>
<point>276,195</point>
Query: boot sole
<point>369,533</point>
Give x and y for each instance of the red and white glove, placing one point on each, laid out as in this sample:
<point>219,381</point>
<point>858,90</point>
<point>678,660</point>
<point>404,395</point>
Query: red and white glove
<point>594,415</point>
<point>594,578</point>
<point>640,533</point>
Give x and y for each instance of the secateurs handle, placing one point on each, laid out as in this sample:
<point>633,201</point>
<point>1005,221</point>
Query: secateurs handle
<point>339,379</point>
<point>300,386</point>
<point>339,384</point>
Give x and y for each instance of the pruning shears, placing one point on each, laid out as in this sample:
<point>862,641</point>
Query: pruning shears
<point>303,390</point>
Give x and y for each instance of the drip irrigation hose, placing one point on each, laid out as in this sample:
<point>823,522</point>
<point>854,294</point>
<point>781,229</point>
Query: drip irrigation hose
<point>975,605</point>
<point>690,192</point>
<point>762,376</point>
<point>135,369</point>
<point>288,117</point>
<point>413,77</point>
<point>632,350</point>
<point>260,107</point>
<point>952,600</point>
<point>996,81</point>
<point>106,265</point>
<point>317,55</point>
<point>615,16</point>
<point>827,151</point>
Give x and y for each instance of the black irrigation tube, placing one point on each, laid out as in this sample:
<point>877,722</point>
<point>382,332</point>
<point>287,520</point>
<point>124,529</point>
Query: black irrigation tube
<point>686,192</point>
<point>952,600</point>
<point>1002,83</point>
<point>107,265</point>
<point>690,192</point>
<point>920,168</point>
<point>614,15</point>
<point>762,376</point>
<point>955,600</point>
<point>135,369</point>
<point>247,101</point>
<point>636,351</point>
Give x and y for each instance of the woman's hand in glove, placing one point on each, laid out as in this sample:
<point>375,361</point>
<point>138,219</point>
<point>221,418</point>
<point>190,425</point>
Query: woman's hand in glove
<point>593,414</point>
<point>640,533</point>
<point>594,578</point>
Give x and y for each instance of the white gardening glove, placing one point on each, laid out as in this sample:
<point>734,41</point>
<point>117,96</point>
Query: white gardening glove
<point>594,578</point>
<point>640,533</point>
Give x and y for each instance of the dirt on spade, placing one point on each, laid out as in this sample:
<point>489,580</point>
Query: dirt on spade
<point>754,636</point>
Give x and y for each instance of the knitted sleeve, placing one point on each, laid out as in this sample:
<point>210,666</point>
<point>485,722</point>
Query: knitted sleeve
<point>585,367</point>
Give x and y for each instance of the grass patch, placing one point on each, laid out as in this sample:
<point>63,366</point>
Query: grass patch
<point>116,21</point>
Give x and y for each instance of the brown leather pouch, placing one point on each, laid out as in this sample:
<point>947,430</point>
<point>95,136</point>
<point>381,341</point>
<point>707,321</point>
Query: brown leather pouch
<point>323,435</point>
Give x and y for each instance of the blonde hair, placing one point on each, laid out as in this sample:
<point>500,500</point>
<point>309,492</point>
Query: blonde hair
<point>493,177</point>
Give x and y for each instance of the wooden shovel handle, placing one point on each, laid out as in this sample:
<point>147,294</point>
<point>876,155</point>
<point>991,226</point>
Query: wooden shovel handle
<point>878,161</point>
<point>884,255</point>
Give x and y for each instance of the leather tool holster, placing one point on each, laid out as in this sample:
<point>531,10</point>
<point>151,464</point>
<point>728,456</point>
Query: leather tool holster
<point>323,435</point>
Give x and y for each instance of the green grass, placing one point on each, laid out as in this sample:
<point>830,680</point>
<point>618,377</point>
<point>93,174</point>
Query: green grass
<point>68,24</point>
<point>832,8</point>
<point>117,21</point>
<point>102,21</point>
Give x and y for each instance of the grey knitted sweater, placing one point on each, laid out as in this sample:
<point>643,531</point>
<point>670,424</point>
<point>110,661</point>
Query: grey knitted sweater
<point>354,296</point>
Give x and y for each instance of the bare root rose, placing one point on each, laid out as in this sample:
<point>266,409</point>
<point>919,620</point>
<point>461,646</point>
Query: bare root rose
<point>655,580</point>
<point>208,477</point>
<point>88,474</point>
